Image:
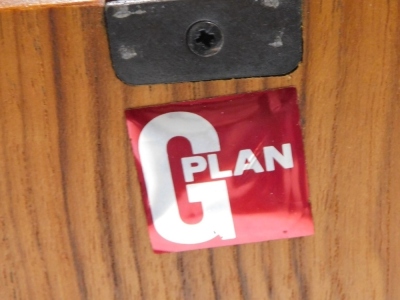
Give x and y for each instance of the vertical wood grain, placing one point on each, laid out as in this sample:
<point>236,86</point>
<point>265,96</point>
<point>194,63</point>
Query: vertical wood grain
<point>71,219</point>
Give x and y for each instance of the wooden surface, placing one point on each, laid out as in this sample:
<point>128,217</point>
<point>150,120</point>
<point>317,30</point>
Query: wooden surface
<point>71,218</point>
<point>33,3</point>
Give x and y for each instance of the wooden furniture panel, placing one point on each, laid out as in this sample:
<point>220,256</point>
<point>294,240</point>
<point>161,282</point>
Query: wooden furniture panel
<point>34,3</point>
<point>71,219</point>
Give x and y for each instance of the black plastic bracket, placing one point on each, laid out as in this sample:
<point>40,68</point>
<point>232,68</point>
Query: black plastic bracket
<point>166,41</point>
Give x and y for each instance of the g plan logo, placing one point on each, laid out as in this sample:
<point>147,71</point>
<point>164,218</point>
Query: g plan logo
<point>222,171</point>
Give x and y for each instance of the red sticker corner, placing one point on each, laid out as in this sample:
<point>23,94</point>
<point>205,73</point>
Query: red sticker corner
<point>222,171</point>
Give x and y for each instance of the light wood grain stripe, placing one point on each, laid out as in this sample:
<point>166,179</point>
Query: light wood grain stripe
<point>34,3</point>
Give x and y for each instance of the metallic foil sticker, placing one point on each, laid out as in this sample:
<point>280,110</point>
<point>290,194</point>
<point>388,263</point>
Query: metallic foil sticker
<point>222,171</point>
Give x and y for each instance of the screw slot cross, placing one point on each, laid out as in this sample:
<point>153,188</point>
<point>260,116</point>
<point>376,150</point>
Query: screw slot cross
<point>206,39</point>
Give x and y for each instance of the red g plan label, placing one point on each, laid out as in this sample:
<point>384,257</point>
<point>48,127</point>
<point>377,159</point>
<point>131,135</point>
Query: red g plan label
<point>222,171</point>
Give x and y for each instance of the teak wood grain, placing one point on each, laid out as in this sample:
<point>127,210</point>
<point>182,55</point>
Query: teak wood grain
<point>33,3</point>
<point>72,224</point>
